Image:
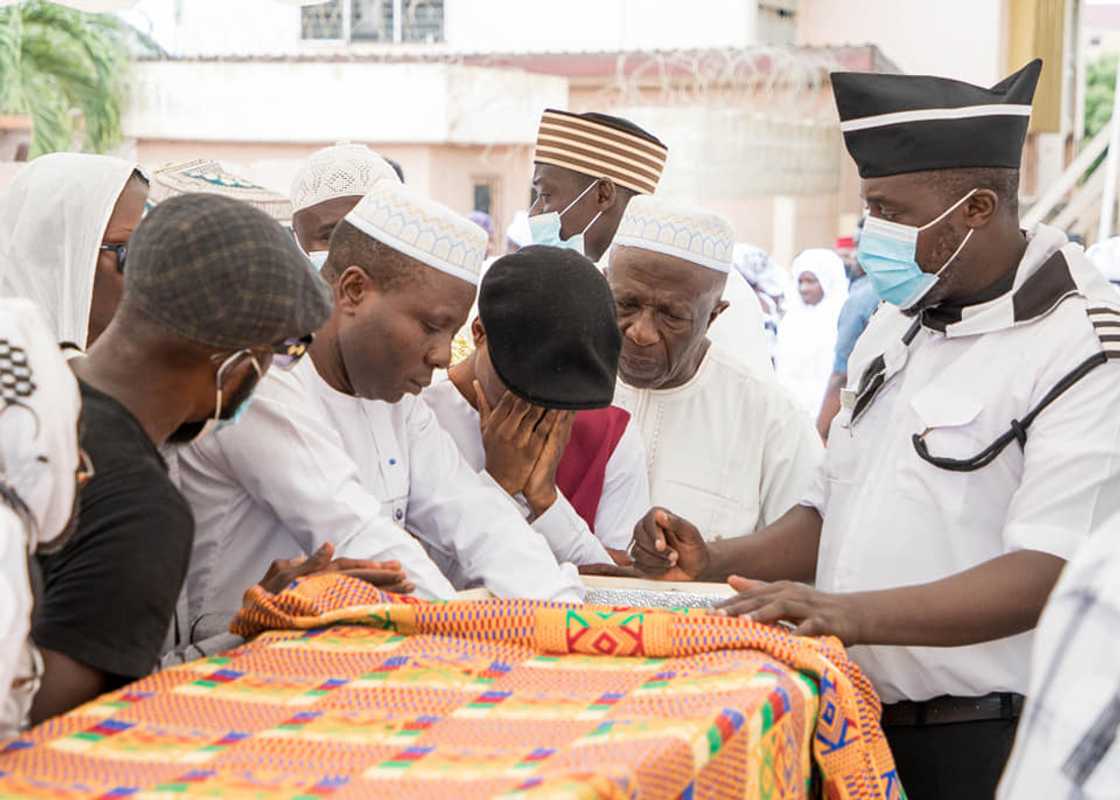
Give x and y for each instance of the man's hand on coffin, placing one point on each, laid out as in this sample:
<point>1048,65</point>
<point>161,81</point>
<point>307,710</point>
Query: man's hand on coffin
<point>385,575</point>
<point>797,606</point>
<point>512,438</point>
<point>669,547</point>
<point>540,488</point>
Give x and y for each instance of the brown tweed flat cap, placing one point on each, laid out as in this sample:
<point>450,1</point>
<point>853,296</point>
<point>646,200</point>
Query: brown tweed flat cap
<point>219,272</point>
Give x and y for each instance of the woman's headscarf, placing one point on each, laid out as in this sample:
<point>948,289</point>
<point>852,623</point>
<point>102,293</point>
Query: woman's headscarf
<point>53,217</point>
<point>39,409</point>
<point>806,345</point>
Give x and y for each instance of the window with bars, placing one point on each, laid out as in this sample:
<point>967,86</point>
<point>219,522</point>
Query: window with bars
<point>388,21</point>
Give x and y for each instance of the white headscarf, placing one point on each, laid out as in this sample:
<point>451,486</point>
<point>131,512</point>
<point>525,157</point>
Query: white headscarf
<point>39,409</point>
<point>1106,256</point>
<point>53,217</point>
<point>806,345</point>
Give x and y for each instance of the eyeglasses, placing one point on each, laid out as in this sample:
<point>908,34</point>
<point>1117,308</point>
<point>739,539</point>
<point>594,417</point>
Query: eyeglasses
<point>121,250</point>
<point>288,353</point>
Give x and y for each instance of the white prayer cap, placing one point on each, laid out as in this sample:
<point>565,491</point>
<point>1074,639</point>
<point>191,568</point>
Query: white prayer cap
<point>423,229</point>
<point>695,235</point>
<point>209,177</point>
<point>344,170</point>
<point>1106,255</point>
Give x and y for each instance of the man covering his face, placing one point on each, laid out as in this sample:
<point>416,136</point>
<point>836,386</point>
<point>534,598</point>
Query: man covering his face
<point>532,404</point>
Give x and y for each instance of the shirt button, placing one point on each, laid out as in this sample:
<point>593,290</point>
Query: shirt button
<point>398,514</point>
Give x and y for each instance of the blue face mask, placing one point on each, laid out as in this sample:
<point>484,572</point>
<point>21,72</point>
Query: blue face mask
<point>545,228</point>
<point>888,254</point>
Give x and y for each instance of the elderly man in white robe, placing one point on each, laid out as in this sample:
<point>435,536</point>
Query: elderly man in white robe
<point>722,440</point>
<point>341,449</point>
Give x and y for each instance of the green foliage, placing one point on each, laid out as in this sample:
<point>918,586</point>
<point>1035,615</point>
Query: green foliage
<point>66,70</point>
<point>1100,87</point>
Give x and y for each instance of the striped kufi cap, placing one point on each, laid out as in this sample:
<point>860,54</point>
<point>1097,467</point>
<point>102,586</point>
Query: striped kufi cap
<point>209,177</point>
<point>422,229</point>
<point>895,124</point>
<point>692,234</point>
<point>343,170</point>
<point>593,147</point>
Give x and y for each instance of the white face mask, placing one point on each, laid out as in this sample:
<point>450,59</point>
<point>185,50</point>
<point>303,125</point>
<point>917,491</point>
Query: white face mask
<point>545,228</point>
<point>318,259</point>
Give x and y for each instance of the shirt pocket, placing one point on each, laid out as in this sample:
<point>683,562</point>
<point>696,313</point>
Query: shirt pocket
<point>716,516</point>
<point>951,424</point>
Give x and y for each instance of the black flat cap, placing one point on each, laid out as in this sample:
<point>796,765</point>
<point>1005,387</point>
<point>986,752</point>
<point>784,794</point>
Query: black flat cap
<point>551,328</point>
<point>893,124</point>
<point>219,272</point>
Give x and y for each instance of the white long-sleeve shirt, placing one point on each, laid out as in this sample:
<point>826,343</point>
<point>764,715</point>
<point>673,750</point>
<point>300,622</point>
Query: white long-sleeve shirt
<point>729,450</point>
<point>624,501</point>
<point>307,464</point>
<point>892,519</point>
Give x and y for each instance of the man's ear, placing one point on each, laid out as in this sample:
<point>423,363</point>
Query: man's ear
<point>720,307</point>
<point>478,333</point>
<point>981,208</point>
<point>352,287</point>
<point>605,193</point>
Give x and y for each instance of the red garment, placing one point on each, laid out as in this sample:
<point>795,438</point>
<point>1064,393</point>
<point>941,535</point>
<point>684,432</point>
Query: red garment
<point>583,469</point>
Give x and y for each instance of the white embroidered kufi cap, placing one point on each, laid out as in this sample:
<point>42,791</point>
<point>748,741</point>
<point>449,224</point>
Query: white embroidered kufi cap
<point>208,176</point>
<point>344,170</point>
<point>692,234</point>
<point>423,229</point>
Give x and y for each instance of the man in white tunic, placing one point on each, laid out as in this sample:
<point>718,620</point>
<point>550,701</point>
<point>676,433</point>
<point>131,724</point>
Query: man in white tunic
<point>724,443</point>
<point>340,449</point>
<point>978,444</point>
<point>542,374</point>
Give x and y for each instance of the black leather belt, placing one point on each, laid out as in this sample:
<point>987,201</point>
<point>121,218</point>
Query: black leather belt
<point>948,710</point>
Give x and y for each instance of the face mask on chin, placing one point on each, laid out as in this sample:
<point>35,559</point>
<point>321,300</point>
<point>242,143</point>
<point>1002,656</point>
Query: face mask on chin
<point>241,399</point>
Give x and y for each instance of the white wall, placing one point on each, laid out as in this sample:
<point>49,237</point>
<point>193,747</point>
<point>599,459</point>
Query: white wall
<point>962,39</point>
<point>327,102</point>
<point>536,25</point>
<point>268,27</point>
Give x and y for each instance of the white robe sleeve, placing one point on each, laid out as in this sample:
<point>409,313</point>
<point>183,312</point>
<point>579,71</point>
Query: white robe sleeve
<point>568,536</point>
<point>458,512</point>
<point>791,461</point>
<point>1071,466</point>
<point>289,459</point>
<point>625,497</point>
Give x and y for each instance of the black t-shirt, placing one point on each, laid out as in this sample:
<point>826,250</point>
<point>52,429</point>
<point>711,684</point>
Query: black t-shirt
<point>109,594</point>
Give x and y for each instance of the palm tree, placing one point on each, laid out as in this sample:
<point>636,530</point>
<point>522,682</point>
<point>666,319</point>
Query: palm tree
<point>65,69</point>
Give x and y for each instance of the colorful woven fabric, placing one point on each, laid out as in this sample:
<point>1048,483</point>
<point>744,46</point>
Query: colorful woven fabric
<point>348,692</point>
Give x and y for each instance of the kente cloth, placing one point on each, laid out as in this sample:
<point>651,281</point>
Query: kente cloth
<point>582,470</point>
<point>351,693</point>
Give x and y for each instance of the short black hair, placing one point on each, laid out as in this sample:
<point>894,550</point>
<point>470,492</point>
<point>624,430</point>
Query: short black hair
<point>953,184</point>
<point>625,125</point>
<point>387,268</point>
